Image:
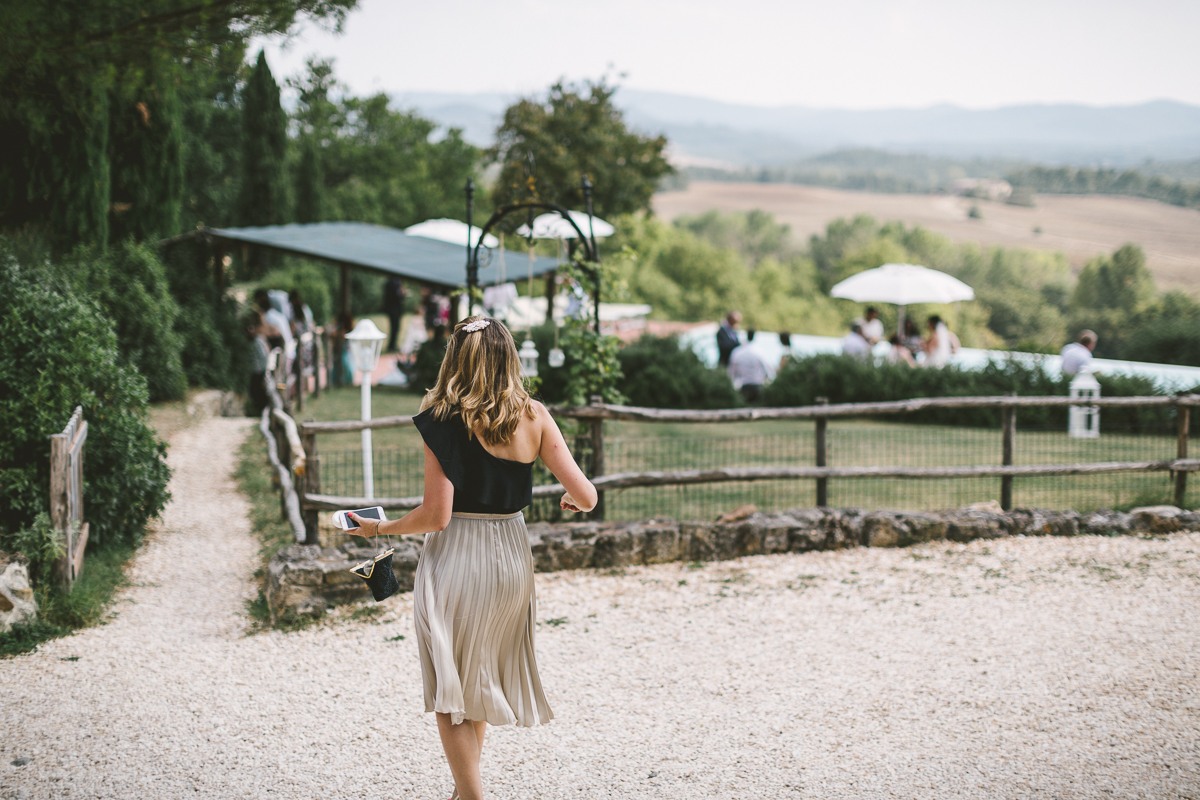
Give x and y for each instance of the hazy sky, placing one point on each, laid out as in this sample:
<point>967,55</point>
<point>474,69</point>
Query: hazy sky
<point>839,53</point>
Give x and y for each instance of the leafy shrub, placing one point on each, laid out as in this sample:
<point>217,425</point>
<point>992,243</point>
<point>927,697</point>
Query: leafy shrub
<point>130,285</point>
<point>848,380</point>
<point>215,351</point>
<point>658,374</point>
<point>59,352</point>
<point>1167,341</point>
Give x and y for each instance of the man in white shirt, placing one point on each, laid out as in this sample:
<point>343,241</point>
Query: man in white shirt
<point>749,370</point>
<point>872,329</point>
<point>855,344</point>
<point>1078,354</point>
<point>274,317</point>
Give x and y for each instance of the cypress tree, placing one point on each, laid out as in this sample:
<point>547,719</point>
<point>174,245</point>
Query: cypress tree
<point>263,198</point>
<point>146,145</point>
<point>310,181</point>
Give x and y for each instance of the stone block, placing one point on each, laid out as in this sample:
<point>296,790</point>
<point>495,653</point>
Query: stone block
<point>620,546</point>
<point>663,543</point>
<point>805,530</point>
<point>1156,519</point>
<point>967,526</point>
<point>17,603</point>
<point>843,528</point>
<point>1105,522</point>
<point>882,530</point>
<point>1040,522</point>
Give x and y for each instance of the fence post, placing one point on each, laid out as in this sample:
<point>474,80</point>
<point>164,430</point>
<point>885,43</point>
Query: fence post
<point>318,359</point>
<point>283,447</point>
<point>597,458</point>
<point>1183,417</point>
<point>298,371</point>
<point>822,483</point>
<point>310,484</point>
<point>59,511</point>
<point>1008,416</point>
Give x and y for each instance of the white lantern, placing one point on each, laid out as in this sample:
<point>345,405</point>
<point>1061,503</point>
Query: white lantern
<point>1083,422</point>
<point>529,358</point>
<point>556,357</point>
<point>366,343</point>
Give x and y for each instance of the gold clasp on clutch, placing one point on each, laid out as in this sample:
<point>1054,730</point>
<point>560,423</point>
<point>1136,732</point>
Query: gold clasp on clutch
<point>369,564</point>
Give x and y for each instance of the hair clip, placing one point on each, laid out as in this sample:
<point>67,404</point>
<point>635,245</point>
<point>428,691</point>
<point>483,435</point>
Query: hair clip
<point>477,325</point>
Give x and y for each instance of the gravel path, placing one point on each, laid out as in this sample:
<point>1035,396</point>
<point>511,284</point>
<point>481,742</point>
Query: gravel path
<point>1056,668</point>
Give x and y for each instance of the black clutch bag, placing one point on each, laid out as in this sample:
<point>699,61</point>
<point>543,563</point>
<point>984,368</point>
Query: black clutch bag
<point>378,574</point>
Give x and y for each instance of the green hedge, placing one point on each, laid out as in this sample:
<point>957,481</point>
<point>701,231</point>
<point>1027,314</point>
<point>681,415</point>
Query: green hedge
<point>59,352</point>
<point>658,374</point>
<point>849,380</point>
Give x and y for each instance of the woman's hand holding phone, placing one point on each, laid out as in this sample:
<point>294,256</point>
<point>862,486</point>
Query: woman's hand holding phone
<point>366,527</point>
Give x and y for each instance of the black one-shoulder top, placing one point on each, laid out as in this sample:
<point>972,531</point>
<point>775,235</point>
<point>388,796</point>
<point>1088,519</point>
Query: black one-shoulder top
<point>483,483</point>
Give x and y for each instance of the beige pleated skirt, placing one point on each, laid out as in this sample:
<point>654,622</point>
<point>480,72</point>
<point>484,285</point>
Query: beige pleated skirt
<point>474,609</point>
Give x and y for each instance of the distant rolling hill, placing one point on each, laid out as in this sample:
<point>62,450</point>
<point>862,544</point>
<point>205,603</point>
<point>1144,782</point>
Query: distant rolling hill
<point>714,133</point>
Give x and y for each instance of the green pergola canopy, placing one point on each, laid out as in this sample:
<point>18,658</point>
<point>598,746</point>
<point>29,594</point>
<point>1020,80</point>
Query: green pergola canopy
<point>381,249</point>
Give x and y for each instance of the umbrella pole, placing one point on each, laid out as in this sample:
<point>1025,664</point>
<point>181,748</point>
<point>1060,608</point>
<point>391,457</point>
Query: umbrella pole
<point>900,324</point>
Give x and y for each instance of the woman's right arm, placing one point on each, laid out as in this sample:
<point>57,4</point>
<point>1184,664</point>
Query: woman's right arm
<point>581,494</point>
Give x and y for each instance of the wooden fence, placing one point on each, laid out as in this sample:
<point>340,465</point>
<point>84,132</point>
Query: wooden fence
<point>312,500</point>
<point>66,496</point>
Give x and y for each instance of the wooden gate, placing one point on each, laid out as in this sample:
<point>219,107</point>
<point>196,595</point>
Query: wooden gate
<point>66,495</point>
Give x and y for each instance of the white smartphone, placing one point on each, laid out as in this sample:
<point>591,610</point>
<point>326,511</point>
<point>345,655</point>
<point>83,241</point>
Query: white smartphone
<point>343,521</point>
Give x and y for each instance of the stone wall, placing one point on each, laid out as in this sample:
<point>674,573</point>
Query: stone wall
<point>305,580</point>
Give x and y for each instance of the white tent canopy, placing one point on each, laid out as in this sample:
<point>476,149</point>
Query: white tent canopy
<point>450,230</point>
<point>903,285</point>
<point>553,226</point>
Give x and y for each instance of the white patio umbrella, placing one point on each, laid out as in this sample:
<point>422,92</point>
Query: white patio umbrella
<point>902,285</point>
<point>552,226</point>
<point>450,230</point>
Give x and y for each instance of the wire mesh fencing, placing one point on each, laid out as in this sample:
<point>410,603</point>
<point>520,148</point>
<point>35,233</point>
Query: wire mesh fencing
<point>849,442</point>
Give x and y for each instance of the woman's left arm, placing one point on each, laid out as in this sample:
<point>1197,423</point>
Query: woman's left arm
<point>432,515</point>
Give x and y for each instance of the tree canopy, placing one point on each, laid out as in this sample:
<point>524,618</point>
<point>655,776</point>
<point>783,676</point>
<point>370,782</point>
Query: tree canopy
<point>545,147</point>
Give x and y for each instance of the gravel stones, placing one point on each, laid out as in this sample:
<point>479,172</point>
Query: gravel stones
<point>1016,667</point>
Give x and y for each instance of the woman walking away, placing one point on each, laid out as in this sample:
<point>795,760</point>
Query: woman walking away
<point>473,601</point>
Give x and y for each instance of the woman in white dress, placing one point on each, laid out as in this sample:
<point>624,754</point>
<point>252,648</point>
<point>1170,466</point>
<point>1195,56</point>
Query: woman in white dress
<point>941,343</point>
<point>473,598</point>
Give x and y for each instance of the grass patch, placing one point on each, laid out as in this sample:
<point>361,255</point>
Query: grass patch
<point>60,613</point>
<point>256,480</point>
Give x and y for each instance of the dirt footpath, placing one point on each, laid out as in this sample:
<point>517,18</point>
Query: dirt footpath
<point>1056,668</point>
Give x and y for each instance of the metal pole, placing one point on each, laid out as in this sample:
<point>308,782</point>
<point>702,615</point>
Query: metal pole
<point>594,254</point>
<point>1181,449</point>
<point>1009,427</point>
<point>597,458</point>
<point>472,263</point>
<point>822,483</point>
<point>368,462</point>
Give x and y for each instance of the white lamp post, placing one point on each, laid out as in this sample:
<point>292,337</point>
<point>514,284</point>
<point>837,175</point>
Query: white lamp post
<point>365,343</point>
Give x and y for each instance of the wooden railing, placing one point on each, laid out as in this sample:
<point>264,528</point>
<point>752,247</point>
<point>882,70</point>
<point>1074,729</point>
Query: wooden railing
<point>313,500</point>
<point>66,496</point>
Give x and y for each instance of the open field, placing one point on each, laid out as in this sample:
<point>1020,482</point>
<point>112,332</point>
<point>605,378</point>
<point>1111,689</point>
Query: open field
<point>1081,226</point>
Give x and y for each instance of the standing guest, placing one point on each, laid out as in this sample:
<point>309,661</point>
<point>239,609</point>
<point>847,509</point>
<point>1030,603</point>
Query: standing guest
<point>473,597</point>
<point>940,344</point>
<point>302,316</point>
<point>282,337</point>
<point>727,337</point>
<point>341,371</point>
<point>748,370</point>
<point>1078,354</point>
<point>393,306</point>
<point>872,329</point>
<point>257,332</point>
<point>785,341</point>
<point>854,344</point>
<point>912,337</point>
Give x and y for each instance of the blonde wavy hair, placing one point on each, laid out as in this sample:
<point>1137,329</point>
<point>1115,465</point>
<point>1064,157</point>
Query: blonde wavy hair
<point>480,378</point>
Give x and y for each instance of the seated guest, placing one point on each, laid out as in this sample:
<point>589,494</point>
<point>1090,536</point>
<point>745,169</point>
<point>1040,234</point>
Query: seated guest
<point>1078,354</point>
<point>855,344</point>
<point>785,341</point>
<point>727,337</point>
<point>872,328</point>
<point>899,354</point>
<point>749,370</point>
